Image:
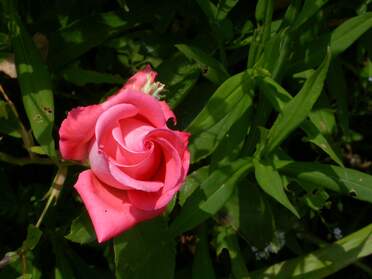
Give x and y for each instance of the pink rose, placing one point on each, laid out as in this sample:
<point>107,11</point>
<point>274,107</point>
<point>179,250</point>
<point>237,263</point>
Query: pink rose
<point>137,163</point>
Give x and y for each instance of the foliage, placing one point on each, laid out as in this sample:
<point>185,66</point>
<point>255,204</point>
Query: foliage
<point>277,97</point>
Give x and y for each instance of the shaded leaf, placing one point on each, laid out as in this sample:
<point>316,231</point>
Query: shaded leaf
<point>225,107</point>
<point>145,251</point>
<point>35,83</point>
<point>193,181</point>
<point>249,212</point>
<point>279,97</point>
<point>202,267</point>
<point>81,230</point>
<point>179,76</point>
<point>272,183</point>
<point>342,180</point>
<point>32,239</point>
<point>308,10</point>
<point>69,43</point>
<point>81,77</point>
<point>210,197</point>
<point>325,261</point>
<point>210,67</point>
<point>8,122</point>
<point>298,108</point>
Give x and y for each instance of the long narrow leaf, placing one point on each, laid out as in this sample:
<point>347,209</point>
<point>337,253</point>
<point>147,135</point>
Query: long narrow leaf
<point>342,180</point>
<point>297,109</point>
<point>35,83</point>
<point>324,261</point>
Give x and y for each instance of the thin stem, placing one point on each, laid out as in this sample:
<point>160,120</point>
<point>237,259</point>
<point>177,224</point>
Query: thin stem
<point>25,161</point>
<point>34,161</point>
<point>54,192</point>
<point>26,138</point>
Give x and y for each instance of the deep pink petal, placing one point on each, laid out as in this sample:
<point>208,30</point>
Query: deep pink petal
<point>76,132</point>
<point>109,172</point>
<point>168,113</point>
<point>108,208</point>
<point>99,164</point>
<point>110,118</point>
<point>174,175</point>
<point>136,184</point>
<point>133,132</point>
<point>148,107</point>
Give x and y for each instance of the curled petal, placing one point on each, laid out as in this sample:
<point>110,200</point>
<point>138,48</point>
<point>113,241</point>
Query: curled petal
<point>77,131</point>
<point>174,175</point>
<point>110,118</point>
<point>108,208</point>
<point>168,113</point>
<point>148,107</point>
<point>113,175</point>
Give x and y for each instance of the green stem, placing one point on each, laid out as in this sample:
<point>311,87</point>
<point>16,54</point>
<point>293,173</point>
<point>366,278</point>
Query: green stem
<point>54,192</point>
<point>33,161</point>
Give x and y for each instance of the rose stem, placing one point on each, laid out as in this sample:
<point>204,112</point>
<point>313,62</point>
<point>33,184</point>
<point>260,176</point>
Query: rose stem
<point>54,191</point>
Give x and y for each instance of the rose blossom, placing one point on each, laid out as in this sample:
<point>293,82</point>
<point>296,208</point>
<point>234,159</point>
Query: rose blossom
<point>137,163</point>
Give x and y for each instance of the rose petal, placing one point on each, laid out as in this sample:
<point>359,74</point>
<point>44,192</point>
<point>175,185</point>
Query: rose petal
<point>174,175</point>
<point>134,132</point>
<point>168,113</point>
<point>110,118</point>
<point>76,132</point>
<point>178,140</point>
<point>108,208</point>
<point>111,174</point>
<point>136,184</point>
<point>147,106</point>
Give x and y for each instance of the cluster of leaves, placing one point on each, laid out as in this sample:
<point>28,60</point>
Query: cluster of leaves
<point>276,95</point>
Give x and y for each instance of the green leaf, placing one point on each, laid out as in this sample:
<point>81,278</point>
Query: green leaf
<point>210,197</point>
<point>224,7</point>
<point>81,77</point>
<point>193,181</point>
<point>179,76</point>
<point>32,239</point>
<point>63,267</point>
<point>298,108</point>
<point>339,40</point>
<point>342,180</point>
<point>227,239</point>
<point>71,42</point>
<point>202,267</point>
<point>337,86</point>
<point>81,230</point>
<point>209,9</point>
<point>348,32</point>
<point>279,97</point>
<point>323,262</point>
<point>248,212</point>
<point>309,9</point>
<point>8,122</point>
<point>210,67</point>
<point>226,106</point>
<point>145,251</point>
<point>35,83</point>
<point>272,183</point>
<point>231,145</point>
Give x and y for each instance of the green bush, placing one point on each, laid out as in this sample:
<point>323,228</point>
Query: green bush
<point>277,98</point>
